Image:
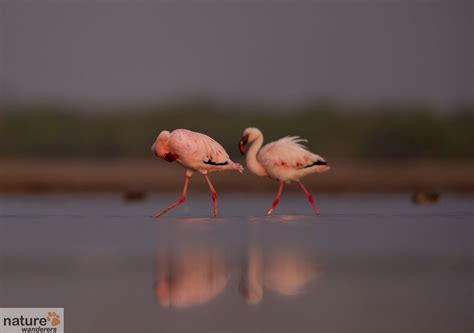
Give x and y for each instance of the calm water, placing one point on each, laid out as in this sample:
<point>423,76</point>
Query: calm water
<point>367,264</point>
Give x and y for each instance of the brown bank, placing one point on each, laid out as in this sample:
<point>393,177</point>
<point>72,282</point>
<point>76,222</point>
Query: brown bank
<point>33,175</point>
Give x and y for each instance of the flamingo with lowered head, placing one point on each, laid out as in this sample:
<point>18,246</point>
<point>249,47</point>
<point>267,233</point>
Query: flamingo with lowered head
<point>285,160</point>
<point>195,152</point>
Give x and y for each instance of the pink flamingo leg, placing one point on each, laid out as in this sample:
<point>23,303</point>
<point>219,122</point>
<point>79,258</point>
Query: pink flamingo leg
<point>179,201</point>
<point>277,200</point>
<point>214,194</point>
<point>310,198</point>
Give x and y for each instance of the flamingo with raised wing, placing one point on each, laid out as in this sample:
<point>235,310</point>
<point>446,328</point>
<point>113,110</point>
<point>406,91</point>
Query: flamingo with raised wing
<point>285,160</point>
<point>195,152</point>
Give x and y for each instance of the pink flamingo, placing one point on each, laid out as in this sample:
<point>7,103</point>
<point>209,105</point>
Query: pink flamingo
<point>285,160</point>
<point>195,152</point>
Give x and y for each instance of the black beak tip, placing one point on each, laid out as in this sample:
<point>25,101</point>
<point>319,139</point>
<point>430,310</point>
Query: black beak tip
<point>242,145</point>
<point>241,148</point>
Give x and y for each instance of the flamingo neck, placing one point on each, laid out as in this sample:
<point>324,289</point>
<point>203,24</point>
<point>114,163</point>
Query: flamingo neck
<point>252,162</point>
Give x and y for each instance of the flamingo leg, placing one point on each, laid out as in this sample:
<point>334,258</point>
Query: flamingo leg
<point>277,199</point>
<point>179,201</point>
<point>310,198</point>
<point>214,194</point>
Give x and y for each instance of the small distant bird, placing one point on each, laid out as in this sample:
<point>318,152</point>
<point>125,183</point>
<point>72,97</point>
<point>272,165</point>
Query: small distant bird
<point>420,197</point>
<point>284,160</point>
<point>195,152</point>
<point>134,195</point>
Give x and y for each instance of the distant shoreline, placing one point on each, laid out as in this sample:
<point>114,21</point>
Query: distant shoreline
<point>96,176</point>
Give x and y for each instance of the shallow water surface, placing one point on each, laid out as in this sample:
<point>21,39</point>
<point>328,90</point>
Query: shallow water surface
<point>366,264</point>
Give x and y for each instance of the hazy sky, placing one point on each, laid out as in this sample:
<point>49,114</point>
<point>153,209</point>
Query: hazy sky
<point>141,51</point>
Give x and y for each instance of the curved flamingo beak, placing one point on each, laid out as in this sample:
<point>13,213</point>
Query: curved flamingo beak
<point>243,144</point>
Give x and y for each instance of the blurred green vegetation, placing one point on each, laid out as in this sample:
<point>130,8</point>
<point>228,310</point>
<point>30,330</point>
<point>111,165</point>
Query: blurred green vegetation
<point>334,131</point>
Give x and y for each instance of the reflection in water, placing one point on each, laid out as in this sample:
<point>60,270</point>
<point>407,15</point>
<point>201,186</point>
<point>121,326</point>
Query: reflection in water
<point>251,282</point>
<point>195,274</point>
<point>190,276</point>
<point>286,271</point>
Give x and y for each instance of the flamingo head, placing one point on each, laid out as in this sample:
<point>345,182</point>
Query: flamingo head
<point>160,147</point>
<point>250,134</point>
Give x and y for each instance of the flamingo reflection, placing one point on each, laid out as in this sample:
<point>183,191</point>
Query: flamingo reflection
<point>195,275</point>
<point>286,271</point>
<point>190,276</point>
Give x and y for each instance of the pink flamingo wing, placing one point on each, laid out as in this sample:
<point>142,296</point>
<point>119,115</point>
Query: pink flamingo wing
<point>197,146</point>
<point>215,153</point>
<point>288,152</point>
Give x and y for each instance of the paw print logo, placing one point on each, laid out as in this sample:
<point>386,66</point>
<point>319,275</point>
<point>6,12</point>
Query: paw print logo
<point>53,317</point>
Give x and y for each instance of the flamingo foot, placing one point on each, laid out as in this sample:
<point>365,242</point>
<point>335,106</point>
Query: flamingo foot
<point>310,199</point>
<point>170,207</point>
<point>179,201</point>
<point>214,195</point>
<point>214,203</point>
<point>277,199</point>
<point>315,208</point>
<point>316,211</point>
